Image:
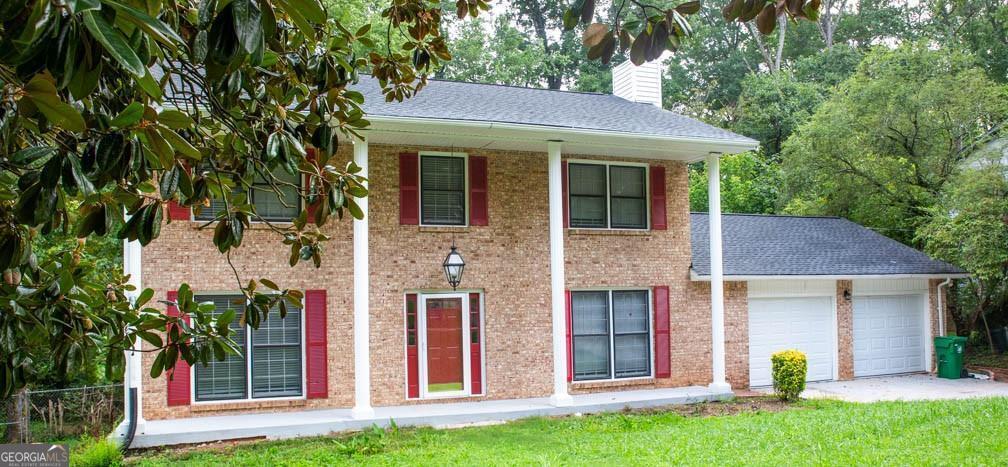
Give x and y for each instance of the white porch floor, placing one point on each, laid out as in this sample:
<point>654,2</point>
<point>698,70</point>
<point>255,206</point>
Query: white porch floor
<point>321,422</point>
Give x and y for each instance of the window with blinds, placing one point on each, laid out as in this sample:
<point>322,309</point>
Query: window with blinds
<point>221,380</point>
<point>269,205</point>
<point>607,196</point>
<point>274,369</point>
<point>611,334</point>
<point>442,190</point>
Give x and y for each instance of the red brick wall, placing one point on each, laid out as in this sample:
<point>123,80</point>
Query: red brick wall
<point>508,261</point>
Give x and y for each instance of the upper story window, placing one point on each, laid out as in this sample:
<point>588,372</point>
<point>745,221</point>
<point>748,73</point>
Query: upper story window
<point>270,205</point>
<point>269,364</point>
<point>611,334</point>
<point>607,196</point>
<point>442,190</point>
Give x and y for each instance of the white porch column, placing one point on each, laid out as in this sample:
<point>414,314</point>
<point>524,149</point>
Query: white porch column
<point>133,376</point>
<point>361,303</point>
<point>558,306</point>
<point>716,273</point>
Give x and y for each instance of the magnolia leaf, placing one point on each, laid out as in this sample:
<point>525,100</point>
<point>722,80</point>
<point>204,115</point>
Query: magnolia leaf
<point>41,91</point>
<point>766,20</point>
<point>152,26</point>
<point>175,120</point>
<point>309,9</point>
<point>180,144</point>
<point>114,43</point>
<point>688,8</point>
<point>130,116</point>
<point>594,34</point>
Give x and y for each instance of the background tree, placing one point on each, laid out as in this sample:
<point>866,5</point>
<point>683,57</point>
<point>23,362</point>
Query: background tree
<point>882,147</point>
<point>969,227</point>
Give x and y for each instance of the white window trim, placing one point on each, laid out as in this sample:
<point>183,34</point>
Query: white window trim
<point>421,311</point>
<point>612,335</point>
<point>248,366</point>
<point>608,194</point>
<point>465,180</point>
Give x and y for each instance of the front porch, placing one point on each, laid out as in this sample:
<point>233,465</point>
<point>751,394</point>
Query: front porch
<point>322,422</point>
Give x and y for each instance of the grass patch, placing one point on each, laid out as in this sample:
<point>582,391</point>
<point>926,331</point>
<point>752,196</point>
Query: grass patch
<point>821,432</point>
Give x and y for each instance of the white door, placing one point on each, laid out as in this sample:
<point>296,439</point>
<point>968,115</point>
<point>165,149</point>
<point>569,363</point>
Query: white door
<point>889,334</point>
<point>803,323</point>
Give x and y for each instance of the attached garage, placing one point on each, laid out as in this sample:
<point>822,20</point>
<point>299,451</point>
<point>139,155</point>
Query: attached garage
<point>855,302</point>
<point>891,329</point>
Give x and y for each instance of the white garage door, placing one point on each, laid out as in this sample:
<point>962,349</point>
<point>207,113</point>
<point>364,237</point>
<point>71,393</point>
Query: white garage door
<point>888,334</point>
<point>803,323</point>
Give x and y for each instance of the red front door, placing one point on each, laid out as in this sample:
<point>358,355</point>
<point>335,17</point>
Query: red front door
<point>444,345</point>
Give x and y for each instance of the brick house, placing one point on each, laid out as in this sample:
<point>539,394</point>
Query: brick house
<point>588,284</point>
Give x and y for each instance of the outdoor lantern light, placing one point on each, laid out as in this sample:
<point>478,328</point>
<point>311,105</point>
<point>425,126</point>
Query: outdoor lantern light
<point>453,266</point>
<point>846,295</point>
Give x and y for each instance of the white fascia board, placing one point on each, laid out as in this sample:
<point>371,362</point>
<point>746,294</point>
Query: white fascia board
<point>740,278</point>
<point>524,132</point>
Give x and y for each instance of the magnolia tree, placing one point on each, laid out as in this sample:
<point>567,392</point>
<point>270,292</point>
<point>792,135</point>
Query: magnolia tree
<point>110,109</point>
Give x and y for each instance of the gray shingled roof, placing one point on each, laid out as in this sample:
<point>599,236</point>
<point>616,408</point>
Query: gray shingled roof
<point>451,100</point>
<point>472,102</point>
<point>757,245</point>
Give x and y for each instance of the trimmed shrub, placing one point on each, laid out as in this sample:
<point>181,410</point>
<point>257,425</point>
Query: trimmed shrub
<point>789,370</point>
<point>96,452</point>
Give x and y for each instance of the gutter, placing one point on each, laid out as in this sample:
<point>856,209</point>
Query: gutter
<point>755,277</point>
<point>548,133</point>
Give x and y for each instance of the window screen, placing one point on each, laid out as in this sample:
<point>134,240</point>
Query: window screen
<point>268,204</point>
<point>225,379</point>
<point>590,322</point>
<point>611,334</point>
<point>631,336</point>
<point>442,190</point>
<point>587,195</point>
<point>276,355</point>
<point>628,204</point>
<point>274,207</point>
<point>607,196</point>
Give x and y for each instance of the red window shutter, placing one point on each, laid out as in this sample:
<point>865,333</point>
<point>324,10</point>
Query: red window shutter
<point>566,213</point>
<point>412,351</point>
<point>659,220</point>
<point>409,188</point>
<point>478,201</point>
<point>475,339</point>
<point>570,342</point>
<point>177,212</point>
<point>316,344</point>
<point>307,184</point>
<point>178,377</point>
<point>663,361</point>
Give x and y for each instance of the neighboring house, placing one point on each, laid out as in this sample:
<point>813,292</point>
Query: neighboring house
<point>587,281</point>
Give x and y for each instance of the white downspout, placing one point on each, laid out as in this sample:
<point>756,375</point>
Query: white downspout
<point>941,307</point>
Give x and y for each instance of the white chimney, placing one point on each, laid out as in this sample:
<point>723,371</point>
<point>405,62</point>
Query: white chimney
<point>639,83</point>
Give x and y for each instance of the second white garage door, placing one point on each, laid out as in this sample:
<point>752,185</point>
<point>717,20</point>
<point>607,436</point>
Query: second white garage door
<point>888,334</point>
<point>803,323</point>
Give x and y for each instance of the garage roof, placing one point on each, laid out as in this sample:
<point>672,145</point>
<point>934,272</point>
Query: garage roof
<point>767,245</point>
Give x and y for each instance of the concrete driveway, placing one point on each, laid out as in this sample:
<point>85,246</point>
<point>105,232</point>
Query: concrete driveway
<point>905,388</point>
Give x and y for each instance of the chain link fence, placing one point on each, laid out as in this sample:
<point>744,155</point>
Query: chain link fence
<point>58,414</point>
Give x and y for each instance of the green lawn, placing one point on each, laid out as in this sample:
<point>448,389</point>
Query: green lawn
<point>971,432</point>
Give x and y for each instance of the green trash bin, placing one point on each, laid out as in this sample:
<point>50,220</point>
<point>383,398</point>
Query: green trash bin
<point>949,350</point>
